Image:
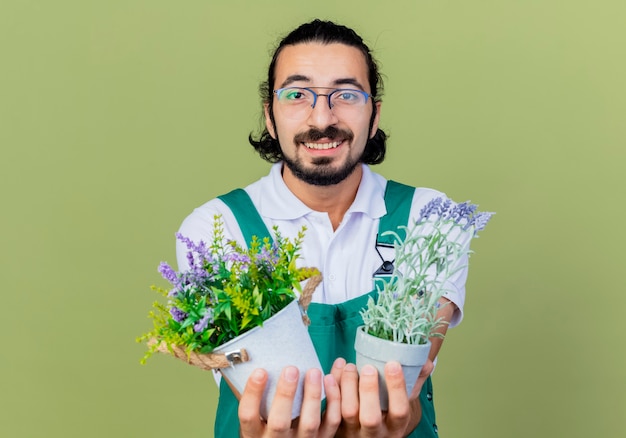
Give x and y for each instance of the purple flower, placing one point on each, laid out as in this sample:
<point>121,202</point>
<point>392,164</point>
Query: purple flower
<point>269,256</point>
<point>204,322</point>
<point>191,260</point>
<point>177,314</point>
<point>199,249</point>
<point>168,273</point>
<point>430,208</point>
<point>187,241</point>
<point>174,292</point>
<point>444,208</point>
<point>480,220</point>
<point>192,282</point>
<point>462,212</point>
<point>236,257</point>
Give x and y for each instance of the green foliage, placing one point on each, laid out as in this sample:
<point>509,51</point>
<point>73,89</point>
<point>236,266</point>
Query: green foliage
<point>226,291</point>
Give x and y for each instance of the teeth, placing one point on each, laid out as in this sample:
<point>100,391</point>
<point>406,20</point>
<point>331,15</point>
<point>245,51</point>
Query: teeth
<point>322,146</point>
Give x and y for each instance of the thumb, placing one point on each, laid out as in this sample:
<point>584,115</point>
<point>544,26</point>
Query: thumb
<point>426,371</point>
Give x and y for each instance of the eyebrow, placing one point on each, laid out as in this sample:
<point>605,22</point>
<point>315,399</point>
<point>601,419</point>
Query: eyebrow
<point>294,78</point>
<point>349,81</point>
<point>301,78</point>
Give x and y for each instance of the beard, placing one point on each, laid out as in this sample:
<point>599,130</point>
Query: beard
<point>322,173</point>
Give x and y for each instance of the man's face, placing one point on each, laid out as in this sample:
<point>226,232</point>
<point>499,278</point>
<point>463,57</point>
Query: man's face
<point>322,147</point>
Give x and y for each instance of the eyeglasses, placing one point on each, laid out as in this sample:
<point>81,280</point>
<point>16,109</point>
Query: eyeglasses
<point>298,102</point>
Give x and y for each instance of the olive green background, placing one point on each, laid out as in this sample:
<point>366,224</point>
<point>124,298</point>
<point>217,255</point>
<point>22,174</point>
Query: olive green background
<point>117,118</point>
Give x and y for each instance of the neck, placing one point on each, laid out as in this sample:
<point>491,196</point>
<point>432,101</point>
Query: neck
<point>334,200</point>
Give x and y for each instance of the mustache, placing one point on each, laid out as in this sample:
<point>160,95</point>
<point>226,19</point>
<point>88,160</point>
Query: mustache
<point>331,132</point>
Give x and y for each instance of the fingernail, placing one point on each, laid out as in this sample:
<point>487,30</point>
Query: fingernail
<point>350,367</point>
<point>290,374</point>
<point>314,376</point>
<point>340,362</point>
<point>393,368</point>
<point>368,370</point>
<point>330,381</point>
<point>257,376</point>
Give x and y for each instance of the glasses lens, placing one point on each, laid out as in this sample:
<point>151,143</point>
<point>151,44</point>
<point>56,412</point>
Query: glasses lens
<point>347,98</point>
<point>294,96</point>
<point>298,103</point>
<point>295,103</point>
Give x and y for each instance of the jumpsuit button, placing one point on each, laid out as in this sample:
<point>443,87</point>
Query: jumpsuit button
<point>435,428</point>
<point>429,396</point>
<point>331,277</point>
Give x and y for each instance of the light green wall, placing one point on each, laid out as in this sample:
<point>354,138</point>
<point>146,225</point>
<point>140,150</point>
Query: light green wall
<point>117,118</point>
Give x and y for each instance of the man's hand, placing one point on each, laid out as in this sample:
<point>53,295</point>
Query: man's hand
<point>311,422</point>
<point>360,403</point>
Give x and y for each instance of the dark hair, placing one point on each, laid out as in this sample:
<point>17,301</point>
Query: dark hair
<point>325,32</point>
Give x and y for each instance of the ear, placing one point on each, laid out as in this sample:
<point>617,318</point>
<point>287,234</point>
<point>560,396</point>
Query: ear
<point>268,121</point>
<point>374,129</point>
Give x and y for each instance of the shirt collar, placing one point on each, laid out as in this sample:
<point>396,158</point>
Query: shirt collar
<point>278,202</point>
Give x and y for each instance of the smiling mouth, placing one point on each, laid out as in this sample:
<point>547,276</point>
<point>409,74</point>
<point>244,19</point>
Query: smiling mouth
<point>323,146</point>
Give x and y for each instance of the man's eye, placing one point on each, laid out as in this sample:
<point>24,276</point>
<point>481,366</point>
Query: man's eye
<point>294,95</point>
<point>347,96</point>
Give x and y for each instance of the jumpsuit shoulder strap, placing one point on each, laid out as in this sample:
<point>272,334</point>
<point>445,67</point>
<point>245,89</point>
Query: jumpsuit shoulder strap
<point>246,214</point>
<point>398,200</point>
<point>251,224</point>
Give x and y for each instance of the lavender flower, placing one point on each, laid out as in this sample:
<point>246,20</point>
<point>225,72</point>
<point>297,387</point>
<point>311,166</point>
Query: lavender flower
<point>199,250</point>
<point>187,241</point>
<point>430,208</point>
<point>177,314</point>
<point>168,273</point>
<point>191,259</point>
<point>462,212</point>
<point>173,293</point>
<point>236,257</point>
<point>268,256</point>
<point>195,282</point>
<point>444,208</point>
<point>204,322</point>
<point>480,220</point>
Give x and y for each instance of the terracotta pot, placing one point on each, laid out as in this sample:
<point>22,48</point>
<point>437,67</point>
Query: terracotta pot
<point>282,340</point>
<point>375,351</point>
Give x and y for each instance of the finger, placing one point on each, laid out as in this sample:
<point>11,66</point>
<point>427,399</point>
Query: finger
<point>332,416</point>
<point>399,409</point>
<point>337,369</point>
<point>349,387</point>
<point>310,416</point>
<point>250,403</point>
<point>370,416</point>
<point>279,418</point>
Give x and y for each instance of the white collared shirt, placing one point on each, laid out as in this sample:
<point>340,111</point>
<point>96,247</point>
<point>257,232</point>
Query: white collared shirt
<point>347,256</point>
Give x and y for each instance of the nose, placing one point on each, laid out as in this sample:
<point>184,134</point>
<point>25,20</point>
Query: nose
<point>321,114</point>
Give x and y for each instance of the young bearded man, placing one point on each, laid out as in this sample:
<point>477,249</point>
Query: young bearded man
<point>322,108</point>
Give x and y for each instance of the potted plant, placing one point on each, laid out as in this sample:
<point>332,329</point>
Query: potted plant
<point>400,321</point>
<point>233,307</point>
